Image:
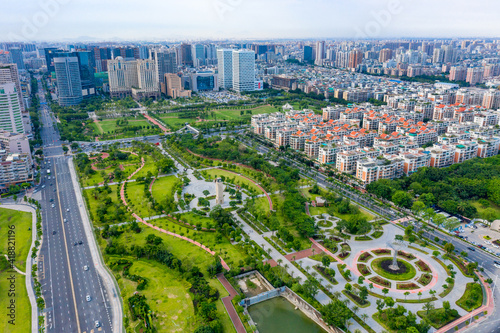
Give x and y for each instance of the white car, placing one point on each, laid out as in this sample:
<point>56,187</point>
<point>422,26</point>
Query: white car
<point>85,268</point>
<point>67,210</point>
<point>97,324</point>
<point>88,298</point>
<point>487,242</point>
<point>53,205</point>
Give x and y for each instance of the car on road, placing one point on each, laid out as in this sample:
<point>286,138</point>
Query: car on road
<point>53,232</point>
<point>51,200</point>
<point>88,298</point>
<point>65,220</point>
<point>85,268</point>
<point>80,242</point>
<point>471,248</point>
<point>75,244</point>
<point>53,205</point>
<point>97,324</point>
<point>67,210</point>
<point>496,265</point>
<point>43,186</point>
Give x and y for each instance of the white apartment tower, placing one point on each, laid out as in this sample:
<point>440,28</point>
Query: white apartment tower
<point>11,118</point>
<point>225,67</point>
<point>243,70</point>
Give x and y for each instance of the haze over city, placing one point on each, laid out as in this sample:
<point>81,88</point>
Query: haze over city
<point>255,19</point>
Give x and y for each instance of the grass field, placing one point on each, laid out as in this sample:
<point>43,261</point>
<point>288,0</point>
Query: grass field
<point>23,307</point>
<point>167,295</point>
<point>93,203</point>
<point>236,179</point>
<point>229,114</point>
<point>109,125</point>
<point>137,201</point>
<point>480,208</point>
<point>164,187</point>
<point>22,222</point>
<point>194,219</point>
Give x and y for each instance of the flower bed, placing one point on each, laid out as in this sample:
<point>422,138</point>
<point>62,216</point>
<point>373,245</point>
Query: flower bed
<point>365,256</point>
<point>380,252</point>
<point>377,234</point>
<point>381,282</point>
<point>425,279</point>
<point>364,270</point>
<point>327,273</point>
<point>408,256</point>
<point>407,286</point>
<point>422,266</point>
<point>363,238</point>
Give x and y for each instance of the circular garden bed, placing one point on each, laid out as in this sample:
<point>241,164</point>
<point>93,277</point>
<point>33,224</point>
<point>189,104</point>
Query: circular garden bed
<point>405,272</point>
<point>325,224</point>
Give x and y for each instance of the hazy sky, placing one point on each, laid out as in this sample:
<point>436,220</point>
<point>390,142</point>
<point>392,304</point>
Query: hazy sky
<point>220,19</point>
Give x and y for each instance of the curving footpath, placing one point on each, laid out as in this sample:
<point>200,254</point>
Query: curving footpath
<point>137,217</point>
<point>238,325</point>
<point>256,184</point>
<point>488,308</point>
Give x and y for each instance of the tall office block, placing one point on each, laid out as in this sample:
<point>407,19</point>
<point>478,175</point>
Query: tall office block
<point>165,62</point>
<point>9,74</point>
<point>86,63</point>
<point>243,70</point>
<point>308,53</point>
<point>198,53</point>
<point>136,78</point>
<point>49,56</point>
<point>17,57</point>
<point>225,67</point>
<point>186,56</point>
<point>320,53</point>
<point>5,57</point>
<point>11,118</point>
<point>69,84</point>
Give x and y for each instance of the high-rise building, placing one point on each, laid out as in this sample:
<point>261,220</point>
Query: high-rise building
<point>86,63</point>
<point>11,118</point>
<point>243,70</point>
<point>225,68</point>
<point>458,73</point>
<point>69,83</point>
<point>9,74</point>
<point>50,53</point>
<point>5,57</point>
<point>475,75</point>
<point>136,78</point>
<point>450,54</point>
<point>211,54</point>
<point>186,56</point>
<point>385,55</point>
<point>165,62</point>
<point>198,54</point>
<point>174,86</point>
<point>355,58</point>
<point>320,53</point>
<point>308,53</point>
<point>17,57</point>
<point>438,56</point>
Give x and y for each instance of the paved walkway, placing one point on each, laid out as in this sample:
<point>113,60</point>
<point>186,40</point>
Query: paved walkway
<point>238,325</point>
<point>29,262</point>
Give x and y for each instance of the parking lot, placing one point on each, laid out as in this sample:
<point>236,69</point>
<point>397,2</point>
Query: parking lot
<point>476,235</point>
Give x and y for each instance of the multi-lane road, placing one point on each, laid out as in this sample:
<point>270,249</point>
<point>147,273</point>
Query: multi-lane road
<point>76,294</point>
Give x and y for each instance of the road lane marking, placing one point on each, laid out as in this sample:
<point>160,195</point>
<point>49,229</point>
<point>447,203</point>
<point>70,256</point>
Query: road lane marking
<point>67,253</point>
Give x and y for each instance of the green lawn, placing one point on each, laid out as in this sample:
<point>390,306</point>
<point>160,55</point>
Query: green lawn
<point>164,187</point>
<point>229,114</point>
<point>467,296</point>
<point>409,274</point>
<point>136,200</point>
<point>235,179</point>
<point>109,125</point>
<point>149,165</point>
<point>23,306</point>
<point>175,123</point>
<point>94,202</point>
<point>480,208</point>
<point>167,294</point>
<point>22,222</point>
<point>437,317</point>
<point>194,219</point>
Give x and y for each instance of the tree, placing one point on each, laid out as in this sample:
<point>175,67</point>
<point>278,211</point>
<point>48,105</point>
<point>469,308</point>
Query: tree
<point>446,306</point>
<point>489,214</point>
<point>326,261</point>
<point>402,199</point>
<point>406,294</point>
<point>385,291</point>
<point>435,253</point>
<point>449,248</point>
<point>206,193</point>
<point>389,302</point>
<point>364,317</point>
<point>417,207</point>
<point>336,313</point>
<point>428,307</point>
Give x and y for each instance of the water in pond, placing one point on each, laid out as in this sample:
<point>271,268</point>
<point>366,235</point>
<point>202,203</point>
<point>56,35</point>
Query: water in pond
<point>278,315</point>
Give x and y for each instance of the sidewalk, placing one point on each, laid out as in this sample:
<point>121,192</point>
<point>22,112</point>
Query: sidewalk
<point>29,263</point>
<point>238,325</point>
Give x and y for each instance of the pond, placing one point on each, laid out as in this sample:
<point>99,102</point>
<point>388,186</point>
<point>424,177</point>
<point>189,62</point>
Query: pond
<point>279,315</point>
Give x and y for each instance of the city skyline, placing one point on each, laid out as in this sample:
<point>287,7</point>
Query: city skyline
<point>232,19</point>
